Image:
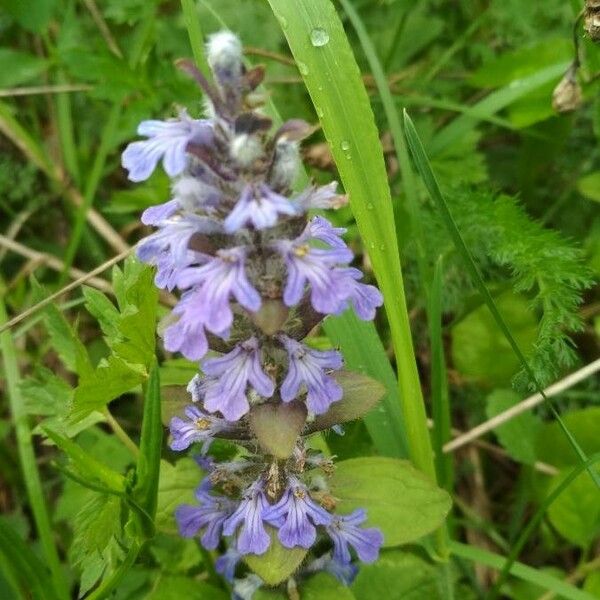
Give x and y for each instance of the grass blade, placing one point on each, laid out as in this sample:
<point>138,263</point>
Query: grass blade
<point>325,60</point>
<point>192,24</point>
<point>521,571</point>
<point>31,475</point>
<point>424,168</point>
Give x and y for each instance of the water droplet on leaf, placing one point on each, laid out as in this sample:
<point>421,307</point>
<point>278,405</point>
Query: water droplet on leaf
<point>302,68</point>
<point>282,21</point>
<point>320,112</point>
<point>345,145</point>
<point>319,37</point>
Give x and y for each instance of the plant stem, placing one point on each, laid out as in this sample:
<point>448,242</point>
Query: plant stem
<point>31,475</point>
<point>121,433</point>
<point>192,24</point>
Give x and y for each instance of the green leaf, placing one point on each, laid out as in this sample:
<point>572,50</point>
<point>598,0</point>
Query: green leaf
<point>589,186</point>
<point>325,587</point>
<point>18,67</point>
<point>481,352</point>
<point>111,379</point>
<point>33,15</point>
<point>592,584</point>
<point>173,587</point>
<point>176,486</point>
<point>147,472</point>
<point>553,448</point>
<point>87,465</point>
<point>105,312</point>
<point>397,575</point>
<point>277,426</point>
<point>361,394</point>
<point>517,435</point>
<point>576,512</point>
<point>400,500</point>
<point>277,563</point>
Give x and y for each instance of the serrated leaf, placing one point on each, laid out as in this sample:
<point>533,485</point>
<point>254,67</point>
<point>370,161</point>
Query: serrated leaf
<point>277,426</point>
<point>517,435</point>
<point>111,379</point>
<point>361,394</point>
<point>277,563</point>
<point>105,312</point>
<point>399,500</point>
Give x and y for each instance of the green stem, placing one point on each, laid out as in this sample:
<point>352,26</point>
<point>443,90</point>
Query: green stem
<point>192,24</point>
<point>115,579</point>
<point>121,433</point>
<point>31,475</point>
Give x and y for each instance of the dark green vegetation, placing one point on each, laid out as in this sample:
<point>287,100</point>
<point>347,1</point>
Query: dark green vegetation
<point>521,184</point>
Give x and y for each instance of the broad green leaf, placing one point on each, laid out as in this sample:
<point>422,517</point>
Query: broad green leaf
<point>589,186</point>
<point>325,587</point>
<point>400,500</point>
<point>17,68</point>
<point>397,575</point>
<point>361,394</point>
<point>176,486</point>
<point>553,448</point>
<point>517,435</point>
<point>277,563</point>
<point>480,351</point>
<point>576,512</point>
<point>147,471</point>
<point>174,587</point>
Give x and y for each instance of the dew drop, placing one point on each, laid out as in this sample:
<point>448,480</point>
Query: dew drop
<point>320,112</point>
<point>370,206</point>
<point>319,37</point>
<point>345,145</point>
<point>372,245</point>
<point>282,21</point>
<point>382,246</point>
<point>302,68</point>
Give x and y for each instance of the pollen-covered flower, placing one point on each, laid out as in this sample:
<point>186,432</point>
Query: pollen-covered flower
<point>167,140</point>
<point>253,537</point>
<point>211,514</point>
<point>345,532</point>
<point>230,376</point>
<point>259,206</point>
<point>295,515</point>
<point>198,427</point>
<point>309,368</point>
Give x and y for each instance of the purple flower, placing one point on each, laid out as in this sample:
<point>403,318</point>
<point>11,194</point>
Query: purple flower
<point>199,427</point>
<point>253,537</point>
<point>325,196</point>
<point>225,565</point>
<point>365,298</point>
<point>307,367</point>
<point>215,282</point>
<point>153,215</point>
<point>296,515</point>
<point>167,140</point>
<point>319,228</point>
<point>258,205</point>
<point>345,532</point>
<point>345,573</point>
<point>315,266</point>
<point>212,513</point>
<point>232,373</point>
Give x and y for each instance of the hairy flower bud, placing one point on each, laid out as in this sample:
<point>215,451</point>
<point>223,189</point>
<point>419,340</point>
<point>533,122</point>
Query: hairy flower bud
<point>567,95</point>
<point>592,19</point>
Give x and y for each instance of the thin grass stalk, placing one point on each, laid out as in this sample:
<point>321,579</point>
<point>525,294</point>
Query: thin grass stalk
<point>31,476</point>
<point>192,24</point>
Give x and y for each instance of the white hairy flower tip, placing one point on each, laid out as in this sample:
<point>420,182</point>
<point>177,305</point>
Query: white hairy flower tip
<point>191,193</point>
<point>208,108</point>
<point>224,53</point>
<point>245,149</point>
<point>285,165</point>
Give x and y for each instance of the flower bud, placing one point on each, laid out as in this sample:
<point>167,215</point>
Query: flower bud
<point>224,54</point>
<point>567,95</point>
<point>592,19</point>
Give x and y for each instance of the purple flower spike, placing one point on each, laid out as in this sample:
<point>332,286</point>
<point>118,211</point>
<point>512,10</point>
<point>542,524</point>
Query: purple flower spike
<point>232,373</point>
<point>258,206</point>
<point>365,298</point>
<point>167,140</point>
<point>199,427</point>
<point>253,537</point>
<point>308,367</point>
<point>214,283</point>
<point>345,531</point>
<point>296,515</point>
<point>212,513</point>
